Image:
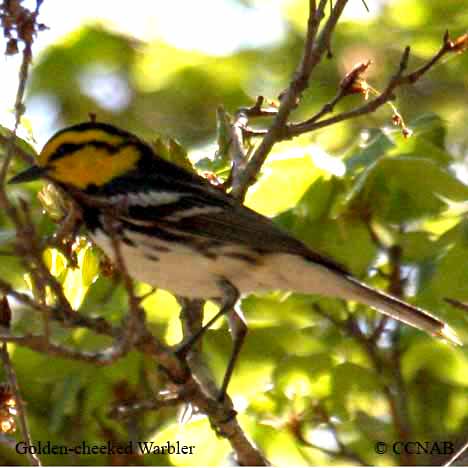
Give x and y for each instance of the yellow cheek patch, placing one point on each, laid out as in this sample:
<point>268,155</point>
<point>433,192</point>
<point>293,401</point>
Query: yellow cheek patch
<point>76,137</point>
<point>91,165</point>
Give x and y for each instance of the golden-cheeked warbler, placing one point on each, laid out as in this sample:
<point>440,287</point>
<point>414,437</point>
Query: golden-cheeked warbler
<point>179,232</point>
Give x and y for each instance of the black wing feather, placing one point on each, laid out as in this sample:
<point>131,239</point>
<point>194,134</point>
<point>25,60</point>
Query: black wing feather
<point>231,222</point>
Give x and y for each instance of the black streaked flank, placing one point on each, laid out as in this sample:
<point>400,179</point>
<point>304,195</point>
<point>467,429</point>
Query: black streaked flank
<point>151,257</point>
<point>157,248</point>
<point>128,241</point>
<point>157,231</point>
<point>242,256</point>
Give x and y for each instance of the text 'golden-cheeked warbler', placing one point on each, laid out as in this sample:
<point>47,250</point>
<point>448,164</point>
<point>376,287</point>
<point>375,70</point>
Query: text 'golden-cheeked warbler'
<point>178,232</point>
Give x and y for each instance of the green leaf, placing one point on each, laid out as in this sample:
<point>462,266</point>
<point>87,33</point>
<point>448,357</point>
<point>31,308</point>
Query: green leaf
<point>283,182</point>
<point>65,401</point>
<point>207,448</point>
<point>430,127</point>
<point>316,201</point>
<point>427,140</point>
<point>23,145</point>
<point>89,264</point>
<point>417,246</point>
<point>345,240</point>
<point>171,150</point>
<point>354,387</point>
<point>450,273</point>
<point>441,360</point>
<point>55,261</point>
<point>402,189</point>
<point>446,275</point>
<point>376,145</point>
<point>298,376</point>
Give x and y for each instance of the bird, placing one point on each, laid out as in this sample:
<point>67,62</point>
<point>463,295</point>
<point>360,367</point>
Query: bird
<point>179,232</point>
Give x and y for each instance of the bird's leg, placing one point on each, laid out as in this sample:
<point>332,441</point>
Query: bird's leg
<point>231,295</point>
<point>238,328</point>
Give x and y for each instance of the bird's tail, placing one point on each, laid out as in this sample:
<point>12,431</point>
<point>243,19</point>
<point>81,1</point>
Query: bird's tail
<point>301,274</point>
<point>399,310</point>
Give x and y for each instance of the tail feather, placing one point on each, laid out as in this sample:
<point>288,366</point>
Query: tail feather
<point>301,274</point>
<point>400,310</point>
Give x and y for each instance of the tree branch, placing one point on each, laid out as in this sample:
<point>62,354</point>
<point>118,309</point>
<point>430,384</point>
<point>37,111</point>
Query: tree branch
<point>21,410</point>
<point>460,452</point>
<point>314,49</point>
<point>399,79</point>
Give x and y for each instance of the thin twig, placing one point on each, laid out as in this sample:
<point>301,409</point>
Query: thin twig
<point>122,411</point>
<point>459,453</point>
<point>456,303</point>
<point>135,322</point>
<point>399,79</point>
<point>191,317</point>
<point>27,38</point>
<point>314,49</point>
<point>21,410</point>
<point>41,343</point>
<point>296,425</point>
<point>239,158</point>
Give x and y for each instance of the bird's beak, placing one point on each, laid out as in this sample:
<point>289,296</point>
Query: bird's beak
<point>30,174</point>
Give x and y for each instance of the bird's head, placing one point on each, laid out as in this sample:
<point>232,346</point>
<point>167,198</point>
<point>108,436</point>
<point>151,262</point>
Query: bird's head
<point>87,155</point>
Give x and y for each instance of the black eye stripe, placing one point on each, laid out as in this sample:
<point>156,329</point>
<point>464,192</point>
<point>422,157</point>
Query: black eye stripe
<point>67,149</point>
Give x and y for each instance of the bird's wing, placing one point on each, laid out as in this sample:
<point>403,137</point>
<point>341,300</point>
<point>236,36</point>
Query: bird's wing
<point>173,201</point>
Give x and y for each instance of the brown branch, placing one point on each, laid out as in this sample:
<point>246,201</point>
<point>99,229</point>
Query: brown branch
<point>296,426</point>
<point>221,415</point>
<point>21,410</point>
<point>191,317</point>
<point>371,106</point>
<point>42,344</point>
<point>146,342</point>
<point>399,79</point>
<point>239,156</point>
<point>458,454</point>
<point>135,322</point>
<point>457,304</point>
<point>63,238</point>
<point>124,410</point>
<point>25,25</point>
<point>314,49</point>
<point>29,249</point>
<point>239,132</point>
<point>396,396</point>
<point>226,425</point>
